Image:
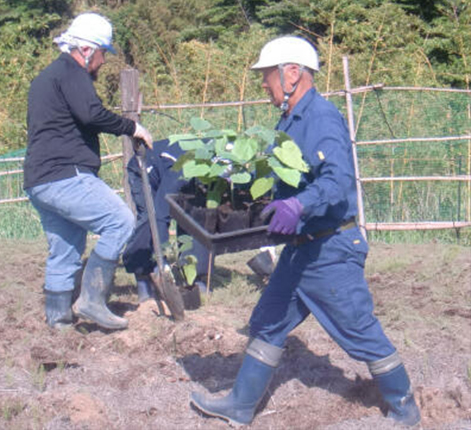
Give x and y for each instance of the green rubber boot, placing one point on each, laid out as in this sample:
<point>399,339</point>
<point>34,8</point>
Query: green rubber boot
<point>96,284</point>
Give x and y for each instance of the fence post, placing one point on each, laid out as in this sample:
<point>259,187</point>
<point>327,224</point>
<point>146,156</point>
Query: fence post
<point>130,104</point>
<point>351,127</point>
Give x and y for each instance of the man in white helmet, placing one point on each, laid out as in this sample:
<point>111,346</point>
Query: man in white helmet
<point>322,271</point>
<point>65,117</point>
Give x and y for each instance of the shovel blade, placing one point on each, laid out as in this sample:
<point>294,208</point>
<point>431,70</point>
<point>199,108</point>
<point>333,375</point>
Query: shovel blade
<point>168,290</point>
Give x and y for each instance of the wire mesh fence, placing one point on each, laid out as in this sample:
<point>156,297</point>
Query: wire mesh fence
<point>413,146</point>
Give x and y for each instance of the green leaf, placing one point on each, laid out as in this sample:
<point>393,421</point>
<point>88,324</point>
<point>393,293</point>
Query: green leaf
<point>290,176</point>
<point>261,186</point>
<point>217,170</point>
<point>184,158</point>
<point>200,124</point>
<point>190,273</point>
<point>191,144</point>
<point>191,169</point>
<point>204,154</point>
<point>281,137</point>
<point>266,134</point>
<point>290,155</point>
<point>245,149</point>
<point>185,243</point>
<point>220,146</point>
<point>241,178</point>
<point>177,137</point>
<point>262,168</point>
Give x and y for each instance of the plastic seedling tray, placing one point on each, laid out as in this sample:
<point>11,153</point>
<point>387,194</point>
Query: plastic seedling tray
<point>222,243</point>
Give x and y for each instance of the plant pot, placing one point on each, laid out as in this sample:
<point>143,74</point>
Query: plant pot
<point>221,243</point>
<point>232,220</point>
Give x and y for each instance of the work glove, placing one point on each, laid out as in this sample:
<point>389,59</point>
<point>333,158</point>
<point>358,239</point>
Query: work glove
<point>142,133</point>
<point>286,215</point>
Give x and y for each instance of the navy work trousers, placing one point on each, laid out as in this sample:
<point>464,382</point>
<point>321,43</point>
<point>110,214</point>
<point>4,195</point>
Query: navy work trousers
<point>324,277</point>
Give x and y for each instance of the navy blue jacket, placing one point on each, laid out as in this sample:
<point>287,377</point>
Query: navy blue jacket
<point>65,116</point>
<point>328,192</point>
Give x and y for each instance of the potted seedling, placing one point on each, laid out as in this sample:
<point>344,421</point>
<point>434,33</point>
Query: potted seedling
<point>232,174</point>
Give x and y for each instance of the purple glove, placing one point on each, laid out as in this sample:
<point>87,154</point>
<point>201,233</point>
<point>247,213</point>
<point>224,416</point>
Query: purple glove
<point>286,216</point>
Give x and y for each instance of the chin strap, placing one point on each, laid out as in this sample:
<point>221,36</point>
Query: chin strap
<point>287,94</point>
<point>86,59</point>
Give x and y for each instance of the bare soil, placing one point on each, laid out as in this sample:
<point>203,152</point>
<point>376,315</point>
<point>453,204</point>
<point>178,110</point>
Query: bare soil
<point>141,378</point>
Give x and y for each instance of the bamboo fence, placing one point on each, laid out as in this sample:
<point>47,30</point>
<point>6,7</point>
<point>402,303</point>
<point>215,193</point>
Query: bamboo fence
<point>132,107</point>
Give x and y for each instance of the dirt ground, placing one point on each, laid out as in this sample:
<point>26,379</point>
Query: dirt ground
<point>141,378</point>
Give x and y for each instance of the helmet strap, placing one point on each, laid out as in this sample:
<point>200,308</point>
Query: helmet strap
<point>287,94</point>
<point>86,58</point>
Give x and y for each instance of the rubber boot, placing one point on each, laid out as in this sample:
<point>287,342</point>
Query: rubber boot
<point>96,284</point>
<point>395,388</point>
<point>239,406</point>
<point>144,288</point>
<point>262,264</point>
<point>58,308</point>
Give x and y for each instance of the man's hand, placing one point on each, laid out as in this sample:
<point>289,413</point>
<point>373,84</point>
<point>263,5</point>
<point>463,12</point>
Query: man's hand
<point>142,133</point>
<point>286,215</point>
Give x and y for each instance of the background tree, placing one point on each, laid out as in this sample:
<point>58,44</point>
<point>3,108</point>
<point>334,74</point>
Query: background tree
<point>201,50</point>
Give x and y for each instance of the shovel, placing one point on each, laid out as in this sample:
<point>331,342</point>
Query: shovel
<point>163,281</point>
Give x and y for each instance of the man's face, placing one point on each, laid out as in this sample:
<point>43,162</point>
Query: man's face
<point>96,61</point>
<point>272,85</point>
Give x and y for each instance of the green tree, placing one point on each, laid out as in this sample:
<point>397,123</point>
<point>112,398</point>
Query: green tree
<point>24,50</point>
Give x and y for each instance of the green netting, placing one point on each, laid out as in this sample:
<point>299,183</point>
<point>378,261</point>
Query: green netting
<point>379,115</point>
<point>414,114</point>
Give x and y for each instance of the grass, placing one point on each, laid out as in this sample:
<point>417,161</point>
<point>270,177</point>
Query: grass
<point>39,378</point>
<point>12,408</point>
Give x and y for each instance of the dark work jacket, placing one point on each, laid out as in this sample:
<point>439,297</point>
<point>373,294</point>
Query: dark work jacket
<point>65,116</point>
<point>328,192</point>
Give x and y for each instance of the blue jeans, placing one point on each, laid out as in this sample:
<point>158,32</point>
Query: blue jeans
<point>324,277</point>
<point>71,207</point>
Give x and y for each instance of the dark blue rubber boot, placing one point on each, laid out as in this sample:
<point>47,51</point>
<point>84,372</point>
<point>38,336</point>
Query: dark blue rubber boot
<point>58,308</point>
<point>145,290</point>
<point>239,406</point>
<point>395,388</point>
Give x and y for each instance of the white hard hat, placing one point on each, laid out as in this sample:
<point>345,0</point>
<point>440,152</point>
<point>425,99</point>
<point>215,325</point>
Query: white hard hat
<point>287,50</point>
<point>93,30</point>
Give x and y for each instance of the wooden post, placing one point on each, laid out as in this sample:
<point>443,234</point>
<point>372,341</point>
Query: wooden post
<point>351,127</point>
<point>130,103</point>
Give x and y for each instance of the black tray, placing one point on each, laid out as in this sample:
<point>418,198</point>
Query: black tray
<point>222,243</point>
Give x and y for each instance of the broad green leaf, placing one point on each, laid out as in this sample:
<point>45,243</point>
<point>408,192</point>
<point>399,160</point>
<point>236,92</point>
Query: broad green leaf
<point>190,273</point>
<point>215,134</point>
<point>220,145</point>
<point>241,178</point>
<point>178,137</point>
<point>178,165</point>
<point>261,186</point>
<point>262,168</point>
<point>245,149</point>
<point>231,134</point>
<point>204,154</point>
<point>200,124</point>
<point>290,176</point>
<point>185,242</point>
<point>191,169</point>
<point>185,247</point>
<point>267,135</point>
<point>281,137</point>
<point>290,155</point>
<point>273,162</point>
<point>191,144</point>
<point>217,170</point>
<point>212,200</point>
